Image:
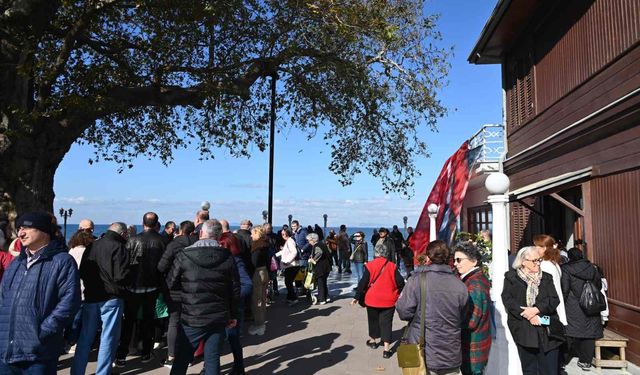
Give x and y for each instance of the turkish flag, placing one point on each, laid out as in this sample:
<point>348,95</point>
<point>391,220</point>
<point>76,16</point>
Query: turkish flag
<point>448,193</point>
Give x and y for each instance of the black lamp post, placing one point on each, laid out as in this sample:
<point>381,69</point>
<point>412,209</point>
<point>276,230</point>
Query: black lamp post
<point>404,220</point>
<point>65,214</point>
<point>325,216</point>
<point>290,218</point>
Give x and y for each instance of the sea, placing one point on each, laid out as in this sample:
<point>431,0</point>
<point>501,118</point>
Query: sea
<point>368,231</point>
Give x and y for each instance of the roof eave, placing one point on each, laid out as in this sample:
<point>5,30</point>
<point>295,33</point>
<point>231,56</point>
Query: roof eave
<point>477,55</point>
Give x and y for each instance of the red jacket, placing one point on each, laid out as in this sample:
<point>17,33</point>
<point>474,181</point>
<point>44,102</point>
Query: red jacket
<point>5,259</point>
<point>386,290</point>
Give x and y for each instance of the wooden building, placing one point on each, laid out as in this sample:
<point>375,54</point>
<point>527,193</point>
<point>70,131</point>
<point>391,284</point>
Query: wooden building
<point>571,78</point>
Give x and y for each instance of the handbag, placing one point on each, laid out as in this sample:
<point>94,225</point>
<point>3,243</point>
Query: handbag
<point>364,292</point>
<point>555,330</point>
<point>273,265</point>
<point>411,356</point>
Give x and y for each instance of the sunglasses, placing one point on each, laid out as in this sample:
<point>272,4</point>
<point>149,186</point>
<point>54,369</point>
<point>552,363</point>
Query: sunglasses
<point>459,260</point>
<point>538,261</point>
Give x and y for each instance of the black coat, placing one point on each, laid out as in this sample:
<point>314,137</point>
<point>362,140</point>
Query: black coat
<point>244,239</point>
<point>105,268</point>
<point>322,256</point>
<point>169,256</point>
<point>574,275</point>
<point>514,295</point>
<point>210,284</point>
<point>145,251</point>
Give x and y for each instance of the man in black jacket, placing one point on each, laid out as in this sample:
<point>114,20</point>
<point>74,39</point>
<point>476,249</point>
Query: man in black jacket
<point>105,273</point>
<point>182,239</point>
<point>145,251</point>
<point>208,278</point>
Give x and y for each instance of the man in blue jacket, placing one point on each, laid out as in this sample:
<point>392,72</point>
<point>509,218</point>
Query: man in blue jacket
<point>39,297</point>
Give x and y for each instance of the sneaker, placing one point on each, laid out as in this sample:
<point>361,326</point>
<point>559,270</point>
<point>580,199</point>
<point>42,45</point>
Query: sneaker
<point>119,363</point>
<point>168,363</point>
<point>252,330</point>
<point>261,329</point>
<point>146,358</point>
<point>328,299</point>
<point>323,303</point>
<point>585,366</point>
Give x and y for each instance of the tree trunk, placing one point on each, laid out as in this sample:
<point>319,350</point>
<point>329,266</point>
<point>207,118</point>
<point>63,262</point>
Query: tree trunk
<point>28,169</point>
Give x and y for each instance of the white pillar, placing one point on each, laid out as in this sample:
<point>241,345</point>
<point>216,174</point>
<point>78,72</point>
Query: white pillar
<point>503,358</point>
<point>433,214</point>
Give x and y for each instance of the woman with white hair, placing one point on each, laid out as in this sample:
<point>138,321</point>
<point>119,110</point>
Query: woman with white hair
<point>530,299</point>
<point>321,259</point>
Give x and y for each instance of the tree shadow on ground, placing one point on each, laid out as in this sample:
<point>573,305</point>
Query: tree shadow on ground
<point>306,356</point>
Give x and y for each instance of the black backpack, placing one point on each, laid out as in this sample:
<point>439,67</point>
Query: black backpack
<point>592,301</point>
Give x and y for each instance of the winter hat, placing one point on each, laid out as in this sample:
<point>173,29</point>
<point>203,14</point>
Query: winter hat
<point>41,221</point>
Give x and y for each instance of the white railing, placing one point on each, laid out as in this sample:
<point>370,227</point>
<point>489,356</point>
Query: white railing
<point>490,141</point>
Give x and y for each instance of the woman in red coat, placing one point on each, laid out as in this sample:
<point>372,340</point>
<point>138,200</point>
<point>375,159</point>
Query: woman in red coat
<point>382,283</point>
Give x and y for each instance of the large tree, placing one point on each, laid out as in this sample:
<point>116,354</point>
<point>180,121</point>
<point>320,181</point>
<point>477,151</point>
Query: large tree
<point>145,77</point>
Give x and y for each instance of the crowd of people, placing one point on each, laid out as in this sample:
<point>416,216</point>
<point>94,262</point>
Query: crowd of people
<point>193,285</point>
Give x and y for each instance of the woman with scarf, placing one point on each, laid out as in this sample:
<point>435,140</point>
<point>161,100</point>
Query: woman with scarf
<point>531,302</point>
<point>476,331</point>
<point>360,255</point>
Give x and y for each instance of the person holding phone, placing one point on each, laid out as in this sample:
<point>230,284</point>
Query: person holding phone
<point>531,301</point>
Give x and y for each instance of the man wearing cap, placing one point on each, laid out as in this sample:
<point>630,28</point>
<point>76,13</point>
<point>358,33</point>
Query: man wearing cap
<point>39,297</point>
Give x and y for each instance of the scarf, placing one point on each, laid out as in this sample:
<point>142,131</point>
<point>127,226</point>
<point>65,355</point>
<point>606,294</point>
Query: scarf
<point>533,282</point>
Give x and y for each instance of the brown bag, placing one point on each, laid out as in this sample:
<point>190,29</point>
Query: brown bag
<point>411,356</point>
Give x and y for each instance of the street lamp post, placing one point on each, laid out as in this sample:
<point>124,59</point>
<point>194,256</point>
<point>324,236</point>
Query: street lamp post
<point>265,216</point>
<point>404,220</point>
<point>325,216</point>
<point>433,214</point>
<point>290,218</point>
<point>65,214</point>
<point>503,358</point>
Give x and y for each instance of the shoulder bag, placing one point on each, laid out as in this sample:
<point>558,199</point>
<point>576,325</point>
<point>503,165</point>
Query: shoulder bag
<point>411,356</point>
<point>364,292</point>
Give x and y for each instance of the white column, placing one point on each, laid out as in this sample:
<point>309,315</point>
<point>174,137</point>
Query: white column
<point>503,358</point>
<point>433,214</point>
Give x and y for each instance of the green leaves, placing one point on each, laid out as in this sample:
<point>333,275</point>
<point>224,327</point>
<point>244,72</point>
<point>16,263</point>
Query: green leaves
<point>148,77</point>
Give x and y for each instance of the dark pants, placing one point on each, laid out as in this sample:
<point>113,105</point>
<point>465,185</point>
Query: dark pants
<point>187,343</point>
<point>29,368</point>
<point>534,361</point>
<point>175,309</point>
<point>289,275</point>
<point>334,254</point>
<point>321,281</point>
<point>380,320</point>
<point>132,303</point>
<point>584,348</point>
<point>233,336</point>
<point>344,264</point>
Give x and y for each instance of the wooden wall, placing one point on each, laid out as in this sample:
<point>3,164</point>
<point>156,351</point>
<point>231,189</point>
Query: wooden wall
<point>615,206</point>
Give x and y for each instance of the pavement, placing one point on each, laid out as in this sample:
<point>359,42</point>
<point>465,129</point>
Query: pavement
<point>306,339</point>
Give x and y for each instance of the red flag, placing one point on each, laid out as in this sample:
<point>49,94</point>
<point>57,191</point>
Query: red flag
<point>448,193</point>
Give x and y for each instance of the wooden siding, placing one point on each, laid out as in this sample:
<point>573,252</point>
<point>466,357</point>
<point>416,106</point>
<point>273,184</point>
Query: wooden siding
<point>524,224</point>
<point>614,82</point>
<point>615,205</point>
<point>591,36</point>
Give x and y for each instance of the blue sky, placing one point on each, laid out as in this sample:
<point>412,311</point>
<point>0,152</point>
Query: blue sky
<point>304,186</point>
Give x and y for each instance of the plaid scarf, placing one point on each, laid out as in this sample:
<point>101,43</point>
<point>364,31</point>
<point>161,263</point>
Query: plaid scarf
<point>533,282</point>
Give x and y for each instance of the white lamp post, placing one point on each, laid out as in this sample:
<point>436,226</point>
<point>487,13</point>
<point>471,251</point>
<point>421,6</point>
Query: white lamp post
<point>503,358</point>
<point>433,214</point>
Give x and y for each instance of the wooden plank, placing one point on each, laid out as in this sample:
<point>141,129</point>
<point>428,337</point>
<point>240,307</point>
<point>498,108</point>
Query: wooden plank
<point>567,204</point>
<point>610,335</point>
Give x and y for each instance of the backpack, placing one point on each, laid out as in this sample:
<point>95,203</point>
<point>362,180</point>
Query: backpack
<point>592,301</point>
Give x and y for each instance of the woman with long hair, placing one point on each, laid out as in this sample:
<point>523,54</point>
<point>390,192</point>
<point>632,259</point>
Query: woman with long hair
<point>551,260</point>
<point>259,251</point>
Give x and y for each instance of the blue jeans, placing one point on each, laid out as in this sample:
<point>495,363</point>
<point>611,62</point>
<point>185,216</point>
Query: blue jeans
<point>109,315</point>
<point>233,336</point>
<point>29,368</point>
<point>358,269</point>
<point>187,343</point>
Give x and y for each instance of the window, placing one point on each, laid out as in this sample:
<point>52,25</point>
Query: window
<point>480,218</point>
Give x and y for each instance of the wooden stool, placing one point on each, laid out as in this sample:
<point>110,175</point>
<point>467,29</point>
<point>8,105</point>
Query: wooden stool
<point>611,340</point>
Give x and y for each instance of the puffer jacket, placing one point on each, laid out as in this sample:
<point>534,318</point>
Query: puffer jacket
<point>36,304</point>
<point>145,251</point>
<point>207,275</point>
<point>574,275</point>
<point>169,256</point>
<point>446,307</point>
